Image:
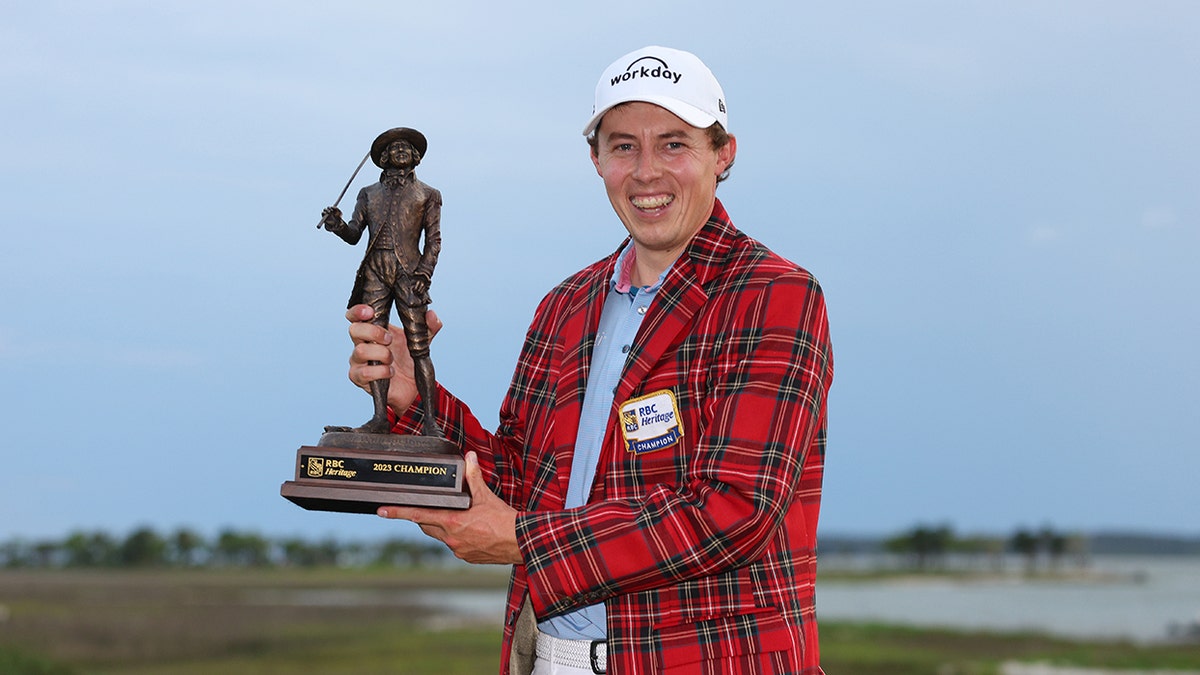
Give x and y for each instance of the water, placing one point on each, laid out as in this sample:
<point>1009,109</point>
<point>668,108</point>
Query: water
<point>442,607</point>
<point>1117,597</point>
<point>1120,597</point>
<point>465,605</point>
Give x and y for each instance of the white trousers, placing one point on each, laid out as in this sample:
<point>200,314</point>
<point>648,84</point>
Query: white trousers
<point>544,667</point>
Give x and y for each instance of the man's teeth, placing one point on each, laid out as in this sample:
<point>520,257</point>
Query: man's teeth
<point>652,202</point>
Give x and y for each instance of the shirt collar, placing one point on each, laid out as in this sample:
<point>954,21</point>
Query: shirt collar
<point>622,277</point>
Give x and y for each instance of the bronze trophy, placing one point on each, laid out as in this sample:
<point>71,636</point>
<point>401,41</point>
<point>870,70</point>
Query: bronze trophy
<point>357,470</point>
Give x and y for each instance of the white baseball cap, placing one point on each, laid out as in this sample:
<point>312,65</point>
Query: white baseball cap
<point>673,79</point>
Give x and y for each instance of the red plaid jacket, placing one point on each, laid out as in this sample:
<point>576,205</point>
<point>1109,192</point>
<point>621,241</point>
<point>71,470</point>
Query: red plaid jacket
<point>703,552</point>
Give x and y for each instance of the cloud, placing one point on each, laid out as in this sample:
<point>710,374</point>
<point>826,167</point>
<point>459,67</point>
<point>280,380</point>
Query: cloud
<point>1159,218</point>
<point>154,358</point>
<point>1044,234</point>
<point>15,349</point>
<point>12,349</point>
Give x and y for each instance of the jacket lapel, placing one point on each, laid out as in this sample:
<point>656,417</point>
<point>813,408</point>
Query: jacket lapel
<point>670,314</point>
<point>681,296</point>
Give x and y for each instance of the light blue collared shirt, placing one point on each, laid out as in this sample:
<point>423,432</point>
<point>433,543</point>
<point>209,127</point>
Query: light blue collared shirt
<point>624,308</point>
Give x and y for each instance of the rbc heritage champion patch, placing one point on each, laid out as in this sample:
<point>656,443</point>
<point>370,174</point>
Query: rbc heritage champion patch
<point>651,422</point>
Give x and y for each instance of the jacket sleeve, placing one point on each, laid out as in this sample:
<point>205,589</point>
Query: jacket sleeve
<point>762,413</point>
<point>495,450</point>
<point>502,455</point>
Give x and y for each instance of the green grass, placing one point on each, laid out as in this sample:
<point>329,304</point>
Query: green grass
<point>16,662</point>
<point>876,649</point>
<point>395,648</point>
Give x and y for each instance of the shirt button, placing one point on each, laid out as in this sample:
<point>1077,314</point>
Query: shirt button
<point>624,349</point>
<point>641,310</point>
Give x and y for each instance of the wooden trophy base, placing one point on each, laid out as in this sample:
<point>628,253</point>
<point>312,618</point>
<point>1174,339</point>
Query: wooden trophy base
<point>353,472</point>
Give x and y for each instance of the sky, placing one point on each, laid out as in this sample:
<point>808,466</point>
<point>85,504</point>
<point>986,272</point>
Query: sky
<point>1000,199</point>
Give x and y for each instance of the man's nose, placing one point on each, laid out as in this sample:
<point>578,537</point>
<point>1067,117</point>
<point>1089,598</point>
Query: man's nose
<point>647,166</point>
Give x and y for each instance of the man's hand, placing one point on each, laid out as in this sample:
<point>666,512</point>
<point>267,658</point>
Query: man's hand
<point>486,533</point>
<point>380,354</point>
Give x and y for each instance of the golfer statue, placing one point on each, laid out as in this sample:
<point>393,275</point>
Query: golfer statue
<point>396,212</point>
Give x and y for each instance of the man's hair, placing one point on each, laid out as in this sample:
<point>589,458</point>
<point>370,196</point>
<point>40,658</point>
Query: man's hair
<point>717,136</point>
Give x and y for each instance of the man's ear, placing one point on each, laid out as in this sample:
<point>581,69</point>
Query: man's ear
<point>592,150</point>
<point>726,155</point>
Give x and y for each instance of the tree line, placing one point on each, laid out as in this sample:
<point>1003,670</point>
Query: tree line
<point>184,547</point>
<point>933,546</point>
<point>922,547</point>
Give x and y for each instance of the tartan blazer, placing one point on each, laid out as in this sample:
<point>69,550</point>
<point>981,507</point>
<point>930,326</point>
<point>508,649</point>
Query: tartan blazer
<point>703,552</point>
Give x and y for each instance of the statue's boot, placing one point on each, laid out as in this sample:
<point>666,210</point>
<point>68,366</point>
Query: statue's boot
<point>427,388</point>
<point>379,423</point>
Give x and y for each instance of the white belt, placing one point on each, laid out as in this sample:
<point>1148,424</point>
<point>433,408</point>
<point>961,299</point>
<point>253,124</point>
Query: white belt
<point>586,654</point>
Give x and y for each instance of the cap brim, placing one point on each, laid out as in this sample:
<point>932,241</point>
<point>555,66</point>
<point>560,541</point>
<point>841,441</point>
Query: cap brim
<point>684,111</point>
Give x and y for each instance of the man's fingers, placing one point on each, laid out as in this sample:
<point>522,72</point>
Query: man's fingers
<point>475,482</point>
<point>364,375</point>
<point>394,512</point>
<point>424,517</point>
<point>370,351</point>
<point>360,313</point>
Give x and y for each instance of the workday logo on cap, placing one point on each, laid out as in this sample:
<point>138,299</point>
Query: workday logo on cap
<point>650,66</point>
<point>673,79</point>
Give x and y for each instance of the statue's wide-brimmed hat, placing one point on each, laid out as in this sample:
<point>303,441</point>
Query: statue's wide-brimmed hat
<point>416,138</point>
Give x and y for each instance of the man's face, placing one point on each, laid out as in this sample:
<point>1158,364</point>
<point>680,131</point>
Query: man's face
<point>399,154</point>
<point>660,173</point>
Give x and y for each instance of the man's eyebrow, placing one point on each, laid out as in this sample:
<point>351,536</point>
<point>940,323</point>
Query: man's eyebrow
<point>674,135</point>
<point>666,135</point>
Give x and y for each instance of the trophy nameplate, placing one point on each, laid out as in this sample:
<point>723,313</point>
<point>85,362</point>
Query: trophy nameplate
<point>400,470</point>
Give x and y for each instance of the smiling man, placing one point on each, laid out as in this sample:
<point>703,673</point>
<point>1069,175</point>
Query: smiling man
<point>656,477</point>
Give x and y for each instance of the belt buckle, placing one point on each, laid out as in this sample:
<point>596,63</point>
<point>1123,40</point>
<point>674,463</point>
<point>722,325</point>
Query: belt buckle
<point>595,659</point>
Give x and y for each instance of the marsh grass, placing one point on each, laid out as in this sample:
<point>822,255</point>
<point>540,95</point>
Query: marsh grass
<point>234,621</point>
<point>240,622</point>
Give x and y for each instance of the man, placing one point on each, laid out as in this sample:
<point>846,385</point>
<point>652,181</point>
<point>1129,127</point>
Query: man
<point>657,469</point>
<point>397,211</point>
